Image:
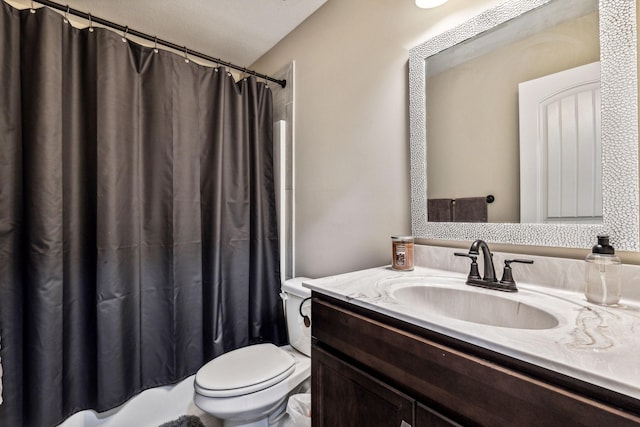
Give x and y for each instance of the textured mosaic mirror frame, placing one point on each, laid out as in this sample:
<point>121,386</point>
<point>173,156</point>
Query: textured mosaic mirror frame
<point>619,115</point>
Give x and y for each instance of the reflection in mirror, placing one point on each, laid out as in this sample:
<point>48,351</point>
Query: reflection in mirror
<point>472,105</point>
<point>472,142</point>
<point>560,147</point>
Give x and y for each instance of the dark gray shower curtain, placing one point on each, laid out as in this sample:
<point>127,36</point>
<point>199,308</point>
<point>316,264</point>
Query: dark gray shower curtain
<point>137,218</point>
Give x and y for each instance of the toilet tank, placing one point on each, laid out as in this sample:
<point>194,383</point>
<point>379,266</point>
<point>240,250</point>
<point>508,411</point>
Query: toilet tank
<point>293,295</point>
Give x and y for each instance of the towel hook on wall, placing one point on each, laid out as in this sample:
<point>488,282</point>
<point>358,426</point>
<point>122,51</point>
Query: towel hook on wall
<point>490,198</point>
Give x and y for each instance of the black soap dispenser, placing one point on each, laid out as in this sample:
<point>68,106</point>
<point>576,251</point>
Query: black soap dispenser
<point>603,276</point>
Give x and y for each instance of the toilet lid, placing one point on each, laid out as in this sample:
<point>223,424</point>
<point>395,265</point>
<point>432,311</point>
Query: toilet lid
<point>245,370</point>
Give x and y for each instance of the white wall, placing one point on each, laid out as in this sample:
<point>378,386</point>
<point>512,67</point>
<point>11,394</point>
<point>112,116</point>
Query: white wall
<point>352,125</point>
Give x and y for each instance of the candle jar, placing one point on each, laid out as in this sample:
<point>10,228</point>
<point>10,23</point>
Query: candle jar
<point>402,253</point>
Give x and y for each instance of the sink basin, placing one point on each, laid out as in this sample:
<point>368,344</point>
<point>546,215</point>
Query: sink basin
<point>477,306</point>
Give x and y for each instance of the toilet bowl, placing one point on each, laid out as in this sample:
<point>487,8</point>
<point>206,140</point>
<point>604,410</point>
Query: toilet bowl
<point>250,386</point>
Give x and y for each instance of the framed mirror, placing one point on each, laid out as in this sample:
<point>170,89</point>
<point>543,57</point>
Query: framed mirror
<point>520,27</point>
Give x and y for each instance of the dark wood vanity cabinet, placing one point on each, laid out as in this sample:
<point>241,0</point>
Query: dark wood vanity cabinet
<point>372,370</point>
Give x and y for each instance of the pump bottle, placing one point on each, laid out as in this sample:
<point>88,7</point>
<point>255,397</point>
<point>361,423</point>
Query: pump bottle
<point>603,276</point>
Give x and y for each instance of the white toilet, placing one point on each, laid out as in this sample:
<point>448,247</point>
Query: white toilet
<point>250,386</point>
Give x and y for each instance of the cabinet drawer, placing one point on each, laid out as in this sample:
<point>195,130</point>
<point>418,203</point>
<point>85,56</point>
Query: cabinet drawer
<point>464,387</point>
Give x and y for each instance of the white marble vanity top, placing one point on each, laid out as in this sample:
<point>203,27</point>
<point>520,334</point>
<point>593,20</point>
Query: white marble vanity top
<point>599,345</point>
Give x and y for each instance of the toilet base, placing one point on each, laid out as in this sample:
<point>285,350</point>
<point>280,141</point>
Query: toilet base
<point>272,420</point>
<point>278,416</point>
<point>263,408</point>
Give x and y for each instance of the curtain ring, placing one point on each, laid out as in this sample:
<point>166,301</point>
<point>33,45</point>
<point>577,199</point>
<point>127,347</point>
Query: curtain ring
<point>186,52</point>
<point>124,35</point>
<point>32,10</point>
<point>90,24</point>
<point>155,44</point>
<point>66,15</point>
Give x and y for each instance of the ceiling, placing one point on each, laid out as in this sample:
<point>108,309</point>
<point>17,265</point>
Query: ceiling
<point>236,31</point>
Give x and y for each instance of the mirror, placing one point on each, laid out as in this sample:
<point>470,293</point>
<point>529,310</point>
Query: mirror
<point>618,119</point>
<point>479,80</point>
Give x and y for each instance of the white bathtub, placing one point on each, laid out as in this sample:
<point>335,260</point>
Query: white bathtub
<point>150,408</point>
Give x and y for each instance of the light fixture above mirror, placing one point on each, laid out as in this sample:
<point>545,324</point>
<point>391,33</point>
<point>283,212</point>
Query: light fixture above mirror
<point>619,118</point>
<point>428,4</point>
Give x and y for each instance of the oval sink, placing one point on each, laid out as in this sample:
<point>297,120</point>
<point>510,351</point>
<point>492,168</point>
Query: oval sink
<point>475,306</point>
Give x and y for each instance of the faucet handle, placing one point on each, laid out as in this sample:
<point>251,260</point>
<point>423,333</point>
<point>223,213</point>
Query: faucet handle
<point>507,276</point>
<point>473,272</point>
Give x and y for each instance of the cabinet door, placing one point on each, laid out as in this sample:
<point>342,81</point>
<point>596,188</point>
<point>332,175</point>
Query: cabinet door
<point>427,417</point>
<point>344,396</point>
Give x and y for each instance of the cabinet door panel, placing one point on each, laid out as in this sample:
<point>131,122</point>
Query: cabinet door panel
<point>344,396</point>
<point>426,417</point>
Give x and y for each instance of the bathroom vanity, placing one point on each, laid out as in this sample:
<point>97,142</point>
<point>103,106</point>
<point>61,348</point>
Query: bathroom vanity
<point>421,349</point>
<point>381,357</point>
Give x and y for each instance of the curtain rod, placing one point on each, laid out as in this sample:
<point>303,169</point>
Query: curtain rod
<point>154,39</point>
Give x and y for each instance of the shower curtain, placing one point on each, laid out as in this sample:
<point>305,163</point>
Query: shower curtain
<point>137,218</point>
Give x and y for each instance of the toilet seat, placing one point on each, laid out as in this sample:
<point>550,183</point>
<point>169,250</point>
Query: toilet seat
<point>245,370</point>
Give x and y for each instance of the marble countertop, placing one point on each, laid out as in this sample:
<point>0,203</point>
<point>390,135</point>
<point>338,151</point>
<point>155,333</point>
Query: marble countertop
<point>599,345</point>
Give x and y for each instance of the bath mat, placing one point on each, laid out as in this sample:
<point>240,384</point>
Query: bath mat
<point>185,421</point>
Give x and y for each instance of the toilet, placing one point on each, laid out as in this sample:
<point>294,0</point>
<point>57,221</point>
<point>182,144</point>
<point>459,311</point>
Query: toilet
<point>250,386</point>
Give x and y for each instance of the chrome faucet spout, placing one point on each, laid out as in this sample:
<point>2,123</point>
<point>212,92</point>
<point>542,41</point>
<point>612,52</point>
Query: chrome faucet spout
<point>487,258</point>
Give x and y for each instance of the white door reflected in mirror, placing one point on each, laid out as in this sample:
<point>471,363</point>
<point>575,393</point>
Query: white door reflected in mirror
<point>560,147</point>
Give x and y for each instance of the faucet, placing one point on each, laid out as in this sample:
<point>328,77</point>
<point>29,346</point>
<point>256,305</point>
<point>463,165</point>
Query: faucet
<point>489,280</point>
<point>487,258</point>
